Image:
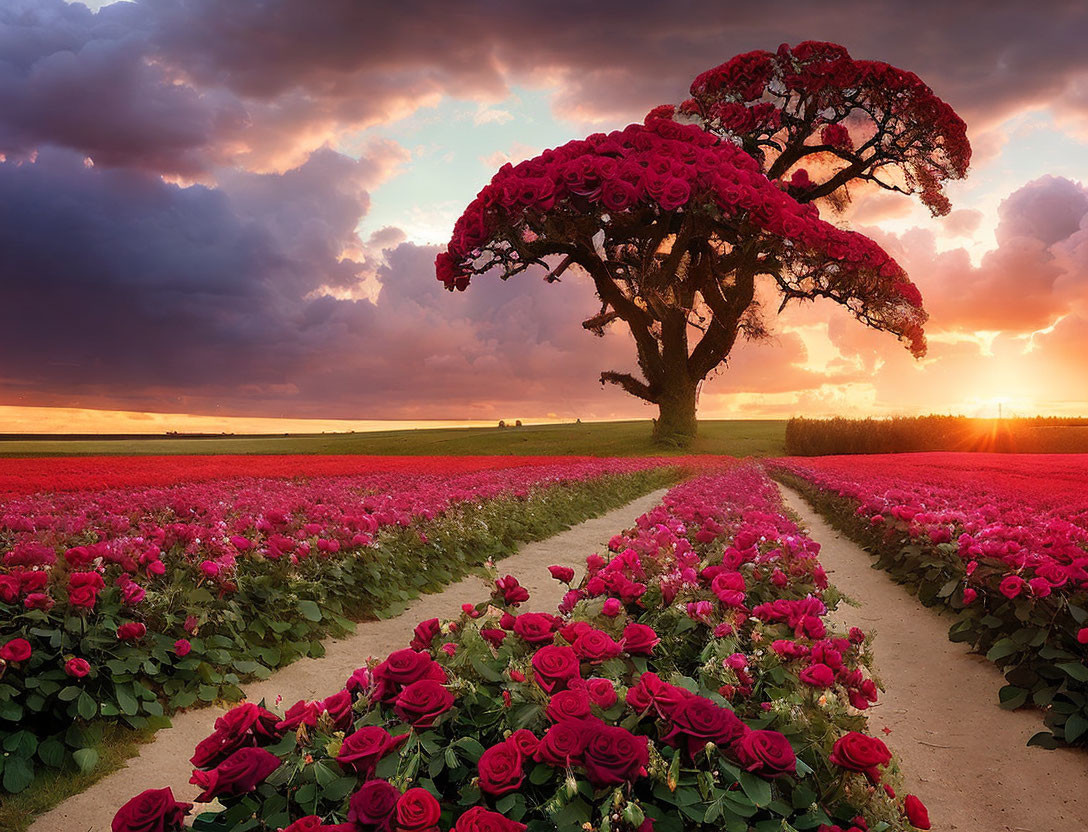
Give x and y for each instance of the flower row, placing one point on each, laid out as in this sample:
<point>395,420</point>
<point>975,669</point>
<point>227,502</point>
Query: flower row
<point>1001,539</point>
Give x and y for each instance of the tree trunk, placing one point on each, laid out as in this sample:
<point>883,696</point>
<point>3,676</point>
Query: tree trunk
<point>675,424</point>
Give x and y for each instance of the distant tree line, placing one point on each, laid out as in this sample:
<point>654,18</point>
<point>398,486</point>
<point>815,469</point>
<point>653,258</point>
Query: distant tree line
<point>904,434</point>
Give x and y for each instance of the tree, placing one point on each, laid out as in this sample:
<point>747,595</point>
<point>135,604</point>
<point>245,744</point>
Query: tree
<point>675,220</point>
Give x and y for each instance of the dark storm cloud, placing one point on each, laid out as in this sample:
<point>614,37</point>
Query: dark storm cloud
<point>118,289</point>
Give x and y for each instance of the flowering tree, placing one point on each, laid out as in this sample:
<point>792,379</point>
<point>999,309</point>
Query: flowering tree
<point>676,219</point>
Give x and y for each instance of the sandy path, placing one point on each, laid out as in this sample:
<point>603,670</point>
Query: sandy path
<point>165,760</point>
<point>962,755</point>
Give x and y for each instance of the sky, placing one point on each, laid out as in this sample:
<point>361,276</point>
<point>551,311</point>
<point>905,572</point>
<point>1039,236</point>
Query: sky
<point>216,214</point>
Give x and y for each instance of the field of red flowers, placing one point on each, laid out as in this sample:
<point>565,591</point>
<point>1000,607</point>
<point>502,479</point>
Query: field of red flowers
<point>90,473</point>
<point>124,604</point>
<point>1000,539</point>
<point>691,681</point>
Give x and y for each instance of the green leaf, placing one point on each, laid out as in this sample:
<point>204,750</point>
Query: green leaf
<point>310,611</point>
<point>18,774</point>
<point>1012,697</point>
<point>1044,739</point>
<point>1075,670</point>
<point>86,759</point>
<point>1075,727</point>
<point>51,752</point>
<point>126,701</point>
<point>86,705</point>
<point>1002,648</point>
<point>757,789</point>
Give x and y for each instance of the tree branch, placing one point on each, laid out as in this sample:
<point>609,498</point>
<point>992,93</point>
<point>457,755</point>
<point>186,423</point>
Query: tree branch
<point>631,384</point>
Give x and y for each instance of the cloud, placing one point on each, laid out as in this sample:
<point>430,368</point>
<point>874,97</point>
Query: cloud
<point>251,292</point>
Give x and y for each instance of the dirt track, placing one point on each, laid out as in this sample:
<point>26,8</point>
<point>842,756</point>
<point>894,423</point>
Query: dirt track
<point>165,761</point>
<point>962,755</point>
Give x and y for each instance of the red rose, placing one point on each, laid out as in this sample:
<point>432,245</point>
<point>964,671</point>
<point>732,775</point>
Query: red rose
<point>425,633</point>
<point>500,769</point>
<point>595,646</point>
<point>402,667</point>
<point>338,707</point>
<point>602,692</point>
<point>83,589</point>
<point>651,692</point>
<point>241,772</point>
<point>562,744</point>
<point>554,666</point>
<point>239,727</point>
<point>77,668</point>
<point>374,804</point>
<point>361,751</point>
<point>493,636</point>
<point>154,810</point>
<point>417,810</point>
<point>525,741</point>
<point>767,753</point>
<point>639,640</point>
<point>479,819</point>
<point>9,589</point>
<point>182,648</point>
<point>16,650</point>
<point>132,631</point>
<point>697,721</point>
<point>818,675</point>
<point>614,755</point>
<point>858,752</point>
<point>1010,587</point>
<point>38,601</point>
<point>916,812</point>
<point>511,591</point>
<point>421,703</point>
<point>302,712</point>
<point>563,574</point>
<point>568,704</point>
<point>535,627</point>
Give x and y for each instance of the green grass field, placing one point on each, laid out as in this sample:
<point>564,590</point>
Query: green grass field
<point>734,438</point>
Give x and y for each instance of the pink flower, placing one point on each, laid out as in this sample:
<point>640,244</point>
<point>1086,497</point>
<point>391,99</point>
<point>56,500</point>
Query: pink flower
<point>209,568</point>
<point>77,668</point>
<point>612,607</point>
<point>1011,585</point>
<point>182,647</point>
<point>969,595</point>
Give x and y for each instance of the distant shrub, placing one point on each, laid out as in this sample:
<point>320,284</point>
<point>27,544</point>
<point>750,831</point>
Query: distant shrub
<point>904,434</point>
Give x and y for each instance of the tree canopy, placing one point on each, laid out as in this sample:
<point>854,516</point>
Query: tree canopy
<point>675,219</point>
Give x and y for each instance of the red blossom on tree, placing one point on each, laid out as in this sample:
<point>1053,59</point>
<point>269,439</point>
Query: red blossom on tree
<point>675,222</point>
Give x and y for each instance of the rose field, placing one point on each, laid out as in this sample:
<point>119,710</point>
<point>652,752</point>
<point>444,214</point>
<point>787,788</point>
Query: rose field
<point>125,604</point>
<point>689,681</point>
<point>699,671</point>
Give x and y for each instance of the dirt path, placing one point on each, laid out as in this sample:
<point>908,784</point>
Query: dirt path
<point>165,760</point>
<point>962,755</point>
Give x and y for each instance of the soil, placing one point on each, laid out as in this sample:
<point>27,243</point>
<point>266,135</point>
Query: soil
<point>165,760</point>
<point>962,755</point>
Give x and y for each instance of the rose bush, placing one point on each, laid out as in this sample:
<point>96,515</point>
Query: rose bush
<point>124,605</point>
<point>1000,540</point>
<point>696,720</point>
